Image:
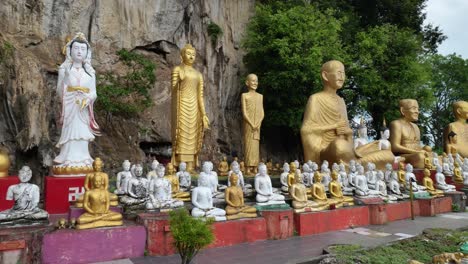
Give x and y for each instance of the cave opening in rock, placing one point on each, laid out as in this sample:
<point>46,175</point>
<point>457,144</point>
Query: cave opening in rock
<point>161,151</point>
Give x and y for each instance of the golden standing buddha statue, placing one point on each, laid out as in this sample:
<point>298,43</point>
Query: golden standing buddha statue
<point>223,167</point>
<point>175,186</point>
<point>189,118</point>
<point>429,184</point>
<point>97,166</point>
<point>234,196</point>
<point>252,111</point>
<point>459,128</point>
<point>325,131</point>
<point>405,136</point>
<point>96,204</point>
<point>336,192</point>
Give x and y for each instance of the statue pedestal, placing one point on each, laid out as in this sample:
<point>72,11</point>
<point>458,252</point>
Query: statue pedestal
<point>75,212</point>
<point>433,206</point>
<point>59,192</point>
<point>93,245</point>
<point>458,186</point>
<point>227,233</point>
<point>330,220</point>
<point>4,184</point>
<point>280,223</point>
<point>367,200</point>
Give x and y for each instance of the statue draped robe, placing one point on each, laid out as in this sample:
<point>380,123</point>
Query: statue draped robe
<point>252,106</point>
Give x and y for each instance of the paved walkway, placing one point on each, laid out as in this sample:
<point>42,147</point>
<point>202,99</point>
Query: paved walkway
<point>300,249</point>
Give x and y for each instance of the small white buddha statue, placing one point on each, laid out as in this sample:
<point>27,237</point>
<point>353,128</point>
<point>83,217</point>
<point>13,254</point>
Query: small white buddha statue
<point>388,172</point>
<point>361,140</point>
<point>202,201</point>
<point>137,189</point>
<point>185,180</point>
<point>284,178</point>
<point>411,179</point>
<point>123,178</point>
<point>160,192</point>
<point>352,173</point>
<point>152,173</point>
<point>263,187</point>
<point>384,143</point>
<point>247,189</point>
<point>381,187</point>
<point>440,181</point>
<point>394,187</point>
<point>362,190</point>
<point>212,178</point>
<point>346,187</point>
<point>306,175</point>
<point>371,175</point>
<point>326,174</point>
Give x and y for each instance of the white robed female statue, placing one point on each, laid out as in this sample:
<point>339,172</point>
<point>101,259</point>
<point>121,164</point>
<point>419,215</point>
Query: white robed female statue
<point>77,89</point>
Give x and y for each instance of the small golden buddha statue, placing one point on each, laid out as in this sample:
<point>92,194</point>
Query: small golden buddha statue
<point>96,204</point>
<point>405,136</point>
<point>318,192</point>
<point>428,161</point>
<point>223,167</point>
<point>292,174</point>
<point>457,174</point>
<point>97,166</point>
<point>401,174</point>
<point>429,184</point>
<point>300,202</point>
<point>4,163</point>
<point>234,196</point>
<point>242,166</point>
<point>175,186</point>
<point>336,192</point>
<point>459,140</point>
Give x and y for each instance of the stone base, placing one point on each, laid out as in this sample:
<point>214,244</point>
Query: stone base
<point>282,206</point>
<point>227,233</point>
<point>60,192</point>
<point>431,207</point>
<point>330,220</point>
<point>4,184</point>
<point>24,223</point>
<point>458,199</point>
<point>94,245</point>
<point>280,223</point>
<point>75,212</point>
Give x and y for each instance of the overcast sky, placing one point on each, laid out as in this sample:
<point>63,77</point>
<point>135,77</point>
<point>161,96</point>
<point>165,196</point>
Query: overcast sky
<point>452,17</point>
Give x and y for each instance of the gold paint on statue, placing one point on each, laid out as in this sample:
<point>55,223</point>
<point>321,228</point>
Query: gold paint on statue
<point>96,205</point>
<point>300,203</point>
<point>318,192</point>
<point>4,163</point>
<point>292,174</point>
<point>175,186</point>
<point>457,174</point>
<point>223,167</point>
<point>428,161</point>
<point>336,192</point>
<point>252,111</point>
<point>401,173</point>
<point>189,118</point>
<point>405,136</point>
<point>325,131</point>
<point>429,184</point>
<point>234,196</point>
<point>460,130</point>
<point>97,164</point>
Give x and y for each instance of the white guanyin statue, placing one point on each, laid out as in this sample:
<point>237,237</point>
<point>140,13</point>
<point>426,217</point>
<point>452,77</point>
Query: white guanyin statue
<point>76,87</point>
<point>26,197</point>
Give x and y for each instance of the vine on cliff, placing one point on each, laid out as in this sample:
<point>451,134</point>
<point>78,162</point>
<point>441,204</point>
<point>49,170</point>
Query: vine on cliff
<point>214,31</point>
<point>127,94</point>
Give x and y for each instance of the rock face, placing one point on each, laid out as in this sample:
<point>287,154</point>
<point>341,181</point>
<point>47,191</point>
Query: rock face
<point>31,39</point>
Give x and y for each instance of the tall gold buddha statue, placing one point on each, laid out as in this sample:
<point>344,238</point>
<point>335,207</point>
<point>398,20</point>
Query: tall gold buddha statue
<point>97,166</point>
<point>234,196</point>
<point>325,130</point>
<point>252,111</point>
<point>189,118</point>
<point>96,204</point>
<point>336,193</point>
<point>405,135</point>
<point>4,163</point>
<point>429,184</point>
<point>459,128</point>
<point>175,185</point>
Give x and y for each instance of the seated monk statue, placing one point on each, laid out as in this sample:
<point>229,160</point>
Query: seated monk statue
<point>223,167</point>
<point>405,135</point>
<point>292,174</point>
<point>428,161</point>
<point>174,180</point>
<point>401,174</point>
<point>440,181</point>
<point>459,129</point>
<point>457,174</point>
<point>202,201</point>
<point>97,166</point>
<point>234,197</point>
<point>429,184</point>
<point>264,189</point>
<point>284,178</point>
<point>300,202</point>
<point>336,194</point>
<point>394,187</point>
<point>318,193</point>
<point>411,180</point>
<point>325,131</point>
<point>96,204</point>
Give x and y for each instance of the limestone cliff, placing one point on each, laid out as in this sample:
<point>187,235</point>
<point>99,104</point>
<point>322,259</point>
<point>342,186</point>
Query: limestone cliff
<point>34,32</point>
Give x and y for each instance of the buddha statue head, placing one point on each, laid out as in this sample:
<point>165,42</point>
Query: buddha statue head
<point>188,54</point>
<point>97,164</point>
<point>154,164</point>
<point>203,181</point>
<point>137,170</point>
<point>334,175</point>
<point>409,109</point>
<point>292,166</point>
<point>286,167</point>
<point>252,81</point>
<point>298,178</point>
<point>305,168</point>
<point>25,174</point>
<point>360,169</point>
<point>427,173</point>
<point>182,166</point>
<point>126,165</point>
<point>439,169</point>
<point>235,167</point>
<point>333,75</point>
<point>160,171</point>
<point>384,133</point>
<point>262,169</point>
<point>409,167</point>
<point>206,168</point>
<point>98,182</point>
<point>388,167</point>
<point>335,167</point>
<point>78,50</point>
<point>317,177</point>
<point>170,169</point>
<point>460,110</point>
<point>233,179</point>
<point>342,167</point>
<point>401,166</point>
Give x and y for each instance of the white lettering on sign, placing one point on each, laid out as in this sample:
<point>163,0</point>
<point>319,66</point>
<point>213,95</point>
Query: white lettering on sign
<point>74,193</point>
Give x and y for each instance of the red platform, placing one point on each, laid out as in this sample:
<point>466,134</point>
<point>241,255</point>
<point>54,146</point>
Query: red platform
<point>227,233</point>
<point>431,207</point>
<point>59,192</point>
<point>4,184</point>
<point>280,223</point>
<point>331,220</point>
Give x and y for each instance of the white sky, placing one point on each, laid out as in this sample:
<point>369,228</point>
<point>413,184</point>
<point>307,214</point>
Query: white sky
<point>452,17</point>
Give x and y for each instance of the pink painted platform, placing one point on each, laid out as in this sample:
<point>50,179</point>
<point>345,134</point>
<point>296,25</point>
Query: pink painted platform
<point>330,220</point>
<point>93,245</point>
<point>59,193</point>
<point>227,233</point>
<point>4,184</point>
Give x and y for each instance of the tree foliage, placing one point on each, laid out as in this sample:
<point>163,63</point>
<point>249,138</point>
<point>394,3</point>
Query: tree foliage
<point>127,94</point>
<point>190,234</point>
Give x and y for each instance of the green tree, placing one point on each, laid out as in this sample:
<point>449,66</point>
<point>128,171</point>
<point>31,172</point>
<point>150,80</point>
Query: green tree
<point>449,82</point>
<point>127,94</point>
<point>190,234</point>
